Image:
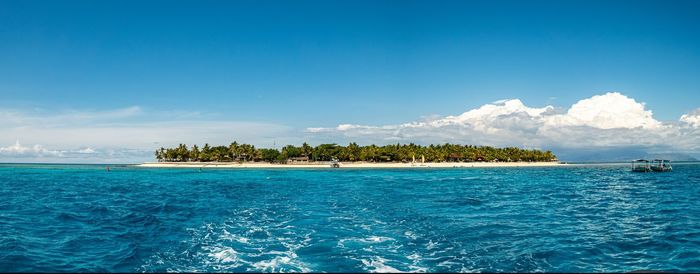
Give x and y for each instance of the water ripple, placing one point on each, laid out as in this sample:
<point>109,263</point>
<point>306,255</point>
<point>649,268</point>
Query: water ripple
<point>580,218</point>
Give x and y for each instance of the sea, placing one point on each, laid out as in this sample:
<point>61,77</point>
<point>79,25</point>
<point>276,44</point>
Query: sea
<point>582,218</point>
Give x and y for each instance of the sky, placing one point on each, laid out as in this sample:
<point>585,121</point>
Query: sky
<point>110,81</point>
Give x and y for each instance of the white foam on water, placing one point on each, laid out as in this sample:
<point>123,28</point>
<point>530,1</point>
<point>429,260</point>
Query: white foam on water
<point>378,265</point>
<point>411,235</point>
<point>228,236</point>
<point>366,240</point>
<point>382,254</point>
<point>416,260</point>
<point>378,239</point>
<point>430,245</point>
<point>342,218</point>
<point>250,241</point>
<point>223,254</point>
<point>287,262</point>
<point>380,222</point>
<point>271,265</point>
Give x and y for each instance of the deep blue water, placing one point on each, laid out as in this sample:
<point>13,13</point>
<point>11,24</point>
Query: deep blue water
<point>582,218</point>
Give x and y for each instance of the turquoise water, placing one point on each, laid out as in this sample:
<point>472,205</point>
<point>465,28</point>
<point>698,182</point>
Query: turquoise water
<point>581,218</point>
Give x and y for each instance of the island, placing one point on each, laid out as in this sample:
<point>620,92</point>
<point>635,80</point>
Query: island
<point>237,155</point>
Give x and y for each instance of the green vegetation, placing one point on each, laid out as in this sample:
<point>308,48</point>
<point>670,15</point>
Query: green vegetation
<point>236,152</point>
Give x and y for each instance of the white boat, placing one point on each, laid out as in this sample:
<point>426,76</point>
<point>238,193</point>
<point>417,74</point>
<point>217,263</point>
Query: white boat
<point>641,165</point>
<point>657,165</point>
<point>334,163</point>
<point>660,165</point>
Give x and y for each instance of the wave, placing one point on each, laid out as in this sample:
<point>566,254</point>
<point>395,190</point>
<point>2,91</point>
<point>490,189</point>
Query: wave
<point>247,242</point>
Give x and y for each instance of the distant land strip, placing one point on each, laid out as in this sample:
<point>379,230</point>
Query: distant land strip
<point>396,154</point>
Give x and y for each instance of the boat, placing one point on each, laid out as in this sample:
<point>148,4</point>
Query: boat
<point>657,165</point>
<point>641,165</point>
<point>661,165</point>
<point>334,163</point>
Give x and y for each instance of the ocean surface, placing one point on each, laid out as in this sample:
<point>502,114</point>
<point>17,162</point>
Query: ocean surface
<point>579,218</point>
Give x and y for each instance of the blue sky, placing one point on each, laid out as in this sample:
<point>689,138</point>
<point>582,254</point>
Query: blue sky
<point>301,64</point>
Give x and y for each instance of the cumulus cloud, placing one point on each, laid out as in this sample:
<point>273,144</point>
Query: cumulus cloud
<point>607,111</point>
<point>36,150</point>
<point>131,134</point>
<point>692,119</point>
<point>602,121</point>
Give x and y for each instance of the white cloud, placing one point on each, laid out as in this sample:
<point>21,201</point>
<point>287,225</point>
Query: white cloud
<point>692,119</point>
<point>38,153</point>
<point>126,135</point>
<point>86,151</point>
<point>317,130</point>
<point>131,134</point>
<point>130,127</point>
<point>36,150</point>
<point>607,111</point>
<point>607,120</point>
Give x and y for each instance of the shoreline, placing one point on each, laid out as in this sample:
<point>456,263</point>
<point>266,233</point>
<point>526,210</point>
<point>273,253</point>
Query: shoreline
<point>346,165</point>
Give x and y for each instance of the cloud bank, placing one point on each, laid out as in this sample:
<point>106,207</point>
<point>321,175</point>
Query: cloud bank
<point>37,150</point>
<point>607,121</point>
<point>125,135</point>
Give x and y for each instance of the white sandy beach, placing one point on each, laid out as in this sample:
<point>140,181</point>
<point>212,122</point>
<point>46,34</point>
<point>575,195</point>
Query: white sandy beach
<point>347,165</point>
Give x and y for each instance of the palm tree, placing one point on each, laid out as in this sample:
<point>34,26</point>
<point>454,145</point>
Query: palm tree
<point>353,152</point>
<point>194,153</point>
<point>204,155</point>
<point>233,150</point>
<point>307,150</point>
<point>160,154</point>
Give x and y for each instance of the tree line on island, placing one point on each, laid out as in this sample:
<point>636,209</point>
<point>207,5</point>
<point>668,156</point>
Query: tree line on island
<point>236,152</point>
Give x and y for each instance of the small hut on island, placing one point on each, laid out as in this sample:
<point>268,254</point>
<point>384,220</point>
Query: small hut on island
<point>298,160</point>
